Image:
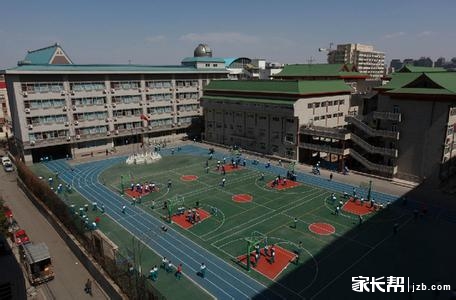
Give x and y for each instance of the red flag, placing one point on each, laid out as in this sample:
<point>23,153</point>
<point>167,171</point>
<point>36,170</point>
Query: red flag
<point>144,117</point>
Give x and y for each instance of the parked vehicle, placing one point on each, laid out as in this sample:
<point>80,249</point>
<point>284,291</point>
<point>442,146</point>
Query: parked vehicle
<point>37,262</point>
<point>6,160</point>
<point>8,167</point>
<point>21,237</point>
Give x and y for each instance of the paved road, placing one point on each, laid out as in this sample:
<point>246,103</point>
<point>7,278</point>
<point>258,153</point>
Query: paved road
<point>70,273</point>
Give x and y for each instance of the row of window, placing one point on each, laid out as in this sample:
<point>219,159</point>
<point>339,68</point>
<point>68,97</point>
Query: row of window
<point>88,101</point>
<point>45,135</point>
<point>44,103</point>
<point>316,118</point>
<point>184,120</point>
<point>47,119</point>
<point>126,99</point>
<point>127,112</point>
<point>159,110</point>
<point>158,84</point>
<point>125,85</point>
<point>159,97</point>
<point>188,107</point>
<point>90,116</point>
<point>325,103</point>
<point>162,122</point>
<point>130,125</point>
<point>186,83</point>
<point>91,130</point>
<point>42,87</point>
<point>87,86</point>
<point>180,96</point>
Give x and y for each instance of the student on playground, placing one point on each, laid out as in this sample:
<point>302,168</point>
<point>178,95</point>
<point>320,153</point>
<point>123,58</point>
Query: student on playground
<point>223,182</point>
<point>102,209</point>
<point>224,160</point>
<point>266,249</point>
<point>330,176</point>
<point>333,198</point>
<point>257,249</point>
<point>152,205</point>
<point>123,208</point>
<point>164,263</point>
<point>154,273</point>
<point>202,271</point>
<point>257,258</point>
<point>169,184</point>
<point>169,267</point>
<point>295,223</point>
<point>336,212</point>
<point>207,170</point>
<point>262,177</point>
<point>244,162</point>
<point>272,259</point>
<point>284,181</point>
<point>178,273</point>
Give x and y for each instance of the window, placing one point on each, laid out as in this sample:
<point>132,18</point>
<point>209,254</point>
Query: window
<point>341,114</point>
<point>310,105</point>
<point>322,117</point>
<point>396,109</point>
<point>328,116</point>
<point>330,103</point>
<point>450,130</point>
<point>289,137</point>
<point>215,65</point>
<point>276,119</point>
<point>323,104</point>
<point>317,104</point>
<point>208,65</point>
<point>290,120</point>
<point>335,115</point>
<point>316,118</point>
<point>341,102</point>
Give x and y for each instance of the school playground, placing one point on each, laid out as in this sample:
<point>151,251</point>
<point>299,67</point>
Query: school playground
<point>214,223</point>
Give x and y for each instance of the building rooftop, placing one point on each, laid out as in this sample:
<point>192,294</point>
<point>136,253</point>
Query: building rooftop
<point>414,69</point>
<point>103,69</point>
<point>291,87</point>
<point>320,70</point>
<point>46,55</point>
<point>433,83</point>
<point>202,59</point>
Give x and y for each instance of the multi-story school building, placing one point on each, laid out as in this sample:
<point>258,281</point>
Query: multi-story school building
<point>404,131</point>
<point>59,108</point>
<point>265,115</point>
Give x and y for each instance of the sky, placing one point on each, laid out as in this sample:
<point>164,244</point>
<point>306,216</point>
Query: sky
<point>164,32</point>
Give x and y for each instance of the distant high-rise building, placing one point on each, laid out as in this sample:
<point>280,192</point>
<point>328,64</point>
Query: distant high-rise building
<point>423,62</point>
<point>396,64</point>
<point>440,62</point>
<point>366,59</point>
<point>408,61</point>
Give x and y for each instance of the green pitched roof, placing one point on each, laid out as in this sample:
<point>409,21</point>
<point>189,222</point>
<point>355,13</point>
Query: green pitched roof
<point>296,87</point>
<point>415,69</point>
<point>438,84</point>
<point>319,70</point>
<point>43,56</point>
<point>399,80</point>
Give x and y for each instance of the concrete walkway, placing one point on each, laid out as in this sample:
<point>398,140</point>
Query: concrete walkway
<point>70,275</point>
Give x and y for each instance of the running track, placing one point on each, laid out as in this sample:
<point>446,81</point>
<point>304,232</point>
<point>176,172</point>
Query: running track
<point>222,280</point>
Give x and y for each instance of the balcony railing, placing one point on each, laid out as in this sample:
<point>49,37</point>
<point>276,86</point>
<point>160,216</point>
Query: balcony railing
<point>336,133</point>
<point>324,148</point>
<point>385,115</point>
<point>357,121</point>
